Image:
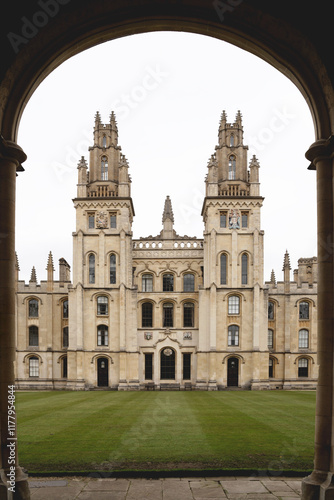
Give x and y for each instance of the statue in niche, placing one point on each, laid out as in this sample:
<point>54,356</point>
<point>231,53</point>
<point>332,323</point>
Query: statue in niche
<point>234,219</point>
<point>101,220</point>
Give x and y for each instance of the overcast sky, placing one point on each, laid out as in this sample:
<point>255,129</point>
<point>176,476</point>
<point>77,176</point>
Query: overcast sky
<point>168,91</point>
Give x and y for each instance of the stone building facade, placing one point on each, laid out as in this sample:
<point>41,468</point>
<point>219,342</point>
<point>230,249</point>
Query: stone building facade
<point>168,311</point>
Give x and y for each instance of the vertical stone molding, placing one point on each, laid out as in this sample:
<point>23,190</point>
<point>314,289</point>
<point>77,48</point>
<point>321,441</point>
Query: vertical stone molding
<point>11,157</point>
<point>319,484</point>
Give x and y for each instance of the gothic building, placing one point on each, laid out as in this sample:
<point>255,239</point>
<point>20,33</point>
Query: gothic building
<point>168,311</point>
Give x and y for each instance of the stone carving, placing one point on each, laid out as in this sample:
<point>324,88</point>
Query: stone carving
<point>234,219</point>
<point>101,220</point>
<point>148,335</point>
<point>187,336</point>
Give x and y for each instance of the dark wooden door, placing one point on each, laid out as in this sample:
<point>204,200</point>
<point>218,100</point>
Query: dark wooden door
<point>233,372</point>
<point>102,372</point>
<point>167,360</point>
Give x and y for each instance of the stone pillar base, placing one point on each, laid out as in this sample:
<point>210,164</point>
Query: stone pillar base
<point>314,486</point>
<point>21,487</point>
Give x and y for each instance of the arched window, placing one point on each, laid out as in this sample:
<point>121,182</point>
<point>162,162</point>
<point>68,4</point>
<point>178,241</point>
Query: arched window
<point>270,338</point>
<point>33,336</point>
<point>65,309</point>
<point>168,283</point>
<point>147,315</point>
<point>168,309</point>
<point>223,269</point>
<point>271,310</point>
<point>244,269</point>
<point>33,366</point>
<point>91,266</point>
<point>104,141</point>
<point>303,339</point>
<point>102,305</point>
<point>33,308</point>
<point>104,168</point>
<point>232,140</point>
<point>189,282</point>
<point>112,269</point>
<point>303,367</point>
<point>233,335</point>
<point>188,315</point>
<point>231,168</point>
<point>271,368</point>
<point>65,336</point>
<point>64,367</point>
<point>102,335</point>
<point>304,310</point>
<point>233,304</point>
<point>147,283</point>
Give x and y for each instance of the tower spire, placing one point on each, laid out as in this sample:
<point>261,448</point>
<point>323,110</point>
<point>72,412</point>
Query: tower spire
<point>50,268</point>
<point>286,270</point>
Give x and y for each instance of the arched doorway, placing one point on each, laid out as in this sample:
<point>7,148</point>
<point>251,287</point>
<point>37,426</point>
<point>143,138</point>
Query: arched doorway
<point>298,49</point>
<point>167,364</point>
<point>102,372</point>
<point>232,372</point>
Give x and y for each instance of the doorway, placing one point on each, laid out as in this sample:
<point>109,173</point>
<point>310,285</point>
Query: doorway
<point>233,372</point>
<point>102,372</point>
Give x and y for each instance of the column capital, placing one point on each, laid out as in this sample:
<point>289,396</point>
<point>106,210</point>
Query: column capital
<point>11,151</point>
<point>321,149</point>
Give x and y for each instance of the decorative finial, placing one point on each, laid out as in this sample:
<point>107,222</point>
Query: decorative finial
<point>254,162</point>
<point>113,121</point>
<point>168,211</point>
<point>273,278</point>
<point>98,117</point>
<point>49,265</point>
<point>17,265</point>
<point>238,118</point>
<point>82,163</point>
<point>33,277</point>
<point>286,263</point>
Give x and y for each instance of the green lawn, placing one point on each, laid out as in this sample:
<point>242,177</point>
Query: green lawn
<point>106,430</point>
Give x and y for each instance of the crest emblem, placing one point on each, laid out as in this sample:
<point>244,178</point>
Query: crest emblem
<point>101,220</point>
<point>234,219</point>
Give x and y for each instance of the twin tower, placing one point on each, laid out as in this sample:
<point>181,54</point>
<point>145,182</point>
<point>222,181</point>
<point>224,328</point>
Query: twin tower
<point>165,311</point>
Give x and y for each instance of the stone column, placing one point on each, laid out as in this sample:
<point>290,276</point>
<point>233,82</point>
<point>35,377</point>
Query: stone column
<point>11,156</point>
<point>319,485</point>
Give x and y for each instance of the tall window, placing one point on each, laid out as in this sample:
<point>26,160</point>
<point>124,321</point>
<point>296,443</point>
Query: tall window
<point>271,310</point>
<point>113,221</point>
<point>65,309</point>
<point>147,315</point>
<point>65,336</point>
<point>233,335</point>
<point>33,367</point>
<point>303,339</point>
<point>102,305</point>
<point>112,269</point>
<point>104,142</point>
<point>270,338</point>
<point>33,336</point>
<point>223,269</point>
<point>244,269</point>
<point>91,266</point>
<point>189,283</point>
<point>102,335</point>
<point>104,168</point>
<point>91,221</point>
<point>168,283</point>
<point>147,283</point>
<point>33,308</point>
<point>231,140</point>
<point>234,304</point>
<point>271,368</point>
<point>148,366</point>
<point>188,315</point>
<point>244,219</point>
<point>64,367</point>
<point>223,219</point>
<point>231,168</point>
<point>304,310</point>
<point>303,367</point>
<point>186,366</point>
<point>168,315</point>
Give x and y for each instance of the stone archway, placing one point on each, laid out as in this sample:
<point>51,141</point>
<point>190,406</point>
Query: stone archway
<point>40,36</point>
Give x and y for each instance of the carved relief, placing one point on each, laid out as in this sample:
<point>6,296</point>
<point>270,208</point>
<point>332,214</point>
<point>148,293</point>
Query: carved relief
<point>101,220</point>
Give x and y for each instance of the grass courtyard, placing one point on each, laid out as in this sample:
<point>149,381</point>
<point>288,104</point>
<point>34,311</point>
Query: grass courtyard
<point>107,430</point>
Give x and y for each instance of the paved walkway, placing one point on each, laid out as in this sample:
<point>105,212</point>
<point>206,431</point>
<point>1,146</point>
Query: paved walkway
<point>240,488</point>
